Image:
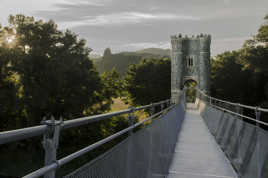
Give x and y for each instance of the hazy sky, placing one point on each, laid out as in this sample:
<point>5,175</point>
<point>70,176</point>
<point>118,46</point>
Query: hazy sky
<point>128,25</point>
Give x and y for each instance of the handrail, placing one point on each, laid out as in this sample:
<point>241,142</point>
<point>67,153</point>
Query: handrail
<point>234,104</point>
<point>21,134</point>
<point>240,115</point>
<point>83,151</point>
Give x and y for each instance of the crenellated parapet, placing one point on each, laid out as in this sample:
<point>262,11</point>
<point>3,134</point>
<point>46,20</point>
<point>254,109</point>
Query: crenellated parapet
<point>199,42</point>
<point>186,37</point>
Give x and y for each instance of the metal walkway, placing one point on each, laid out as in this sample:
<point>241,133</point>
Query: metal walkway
<point>197,154</point>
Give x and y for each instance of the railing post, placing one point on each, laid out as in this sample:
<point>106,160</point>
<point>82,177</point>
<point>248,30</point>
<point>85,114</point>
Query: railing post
<point>131,122</point>
<point>184,98</point>
<point>162,107</point>
<point>152,109</point>
<point>210,100</point>
<point>239,156</point>
<point>259,162</point>
<point>131,119</point>
<point>50,143</point>
<point>198,97</point>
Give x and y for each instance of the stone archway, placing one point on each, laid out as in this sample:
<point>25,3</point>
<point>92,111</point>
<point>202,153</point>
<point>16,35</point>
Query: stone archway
<point>189,88</point>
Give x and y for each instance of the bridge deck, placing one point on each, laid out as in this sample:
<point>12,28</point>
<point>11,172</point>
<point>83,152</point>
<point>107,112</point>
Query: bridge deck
<point>197,154</point>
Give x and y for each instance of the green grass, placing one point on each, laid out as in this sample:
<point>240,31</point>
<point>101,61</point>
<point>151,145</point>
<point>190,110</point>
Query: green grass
<point>120,105</point>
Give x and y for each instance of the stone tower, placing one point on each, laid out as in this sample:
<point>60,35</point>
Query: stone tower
<point>190,60</point>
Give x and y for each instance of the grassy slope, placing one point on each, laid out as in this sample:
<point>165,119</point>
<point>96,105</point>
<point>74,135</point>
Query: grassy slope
<point>120,105</point>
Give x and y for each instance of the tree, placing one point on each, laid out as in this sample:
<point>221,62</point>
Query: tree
<point>148,81</point>
<point>254,57</point>
<point>8,87</point>
<point>242,75</point>
<point>54,74</point>
<point>228,79</point>
<point>44,72</point>
<point>254,53</point>
<point>262,35</point>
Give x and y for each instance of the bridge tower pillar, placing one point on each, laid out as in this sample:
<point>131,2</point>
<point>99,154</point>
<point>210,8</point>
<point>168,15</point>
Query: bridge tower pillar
<point>190,60</point>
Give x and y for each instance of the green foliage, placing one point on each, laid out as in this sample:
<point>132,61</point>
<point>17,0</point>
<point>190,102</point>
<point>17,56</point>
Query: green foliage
<point>228,77</point>
<point>44,72</point>
<point>148,81</point>
<point>8,91</point>
<point>55,74</point>
<point>112,86</point>
<point>262,35</point>
<point>242,76</point>
<point>190,92</point>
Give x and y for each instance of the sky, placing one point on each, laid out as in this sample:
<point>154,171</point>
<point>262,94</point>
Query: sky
<point>129,25</point>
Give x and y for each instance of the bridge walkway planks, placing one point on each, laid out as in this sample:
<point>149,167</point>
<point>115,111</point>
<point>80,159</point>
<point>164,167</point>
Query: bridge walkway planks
<point>197,154</point>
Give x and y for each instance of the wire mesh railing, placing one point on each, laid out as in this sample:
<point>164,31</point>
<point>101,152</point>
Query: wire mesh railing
<point>242,137</point>
<point>51,130</point>
<point>147,153</point>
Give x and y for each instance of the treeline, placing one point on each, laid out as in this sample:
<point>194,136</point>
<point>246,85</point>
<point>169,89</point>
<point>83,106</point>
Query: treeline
<point>242,76</point>
<point>46,72</point>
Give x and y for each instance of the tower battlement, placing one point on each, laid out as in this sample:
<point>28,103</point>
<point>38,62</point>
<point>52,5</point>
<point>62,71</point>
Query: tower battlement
<point>199,42</point>
<point>193,37</point>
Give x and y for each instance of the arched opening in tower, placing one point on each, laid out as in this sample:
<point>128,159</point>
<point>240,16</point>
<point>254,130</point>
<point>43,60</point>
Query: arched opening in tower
<point>190,89</point>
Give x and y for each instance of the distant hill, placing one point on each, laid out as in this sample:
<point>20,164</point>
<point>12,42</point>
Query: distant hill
<point>155,51</point>
<point>121,61</point>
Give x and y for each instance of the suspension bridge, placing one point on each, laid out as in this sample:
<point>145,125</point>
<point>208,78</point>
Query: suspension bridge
<point>186,140</point>
<point>210,138</point>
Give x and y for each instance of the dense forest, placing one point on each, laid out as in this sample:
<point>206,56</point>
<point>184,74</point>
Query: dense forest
<point>47,72</point>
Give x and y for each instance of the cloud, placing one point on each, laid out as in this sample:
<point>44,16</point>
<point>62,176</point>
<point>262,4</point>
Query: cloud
<point>143,45</point>
<point>125,18</point>
<point>130,25</point>
<point>69,3</point>
<point>227,44</point>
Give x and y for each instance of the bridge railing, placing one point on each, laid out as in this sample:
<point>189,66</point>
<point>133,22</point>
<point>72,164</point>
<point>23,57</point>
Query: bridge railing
<point>50,129</point>
<point>234,108</point>
<point>241,133</point>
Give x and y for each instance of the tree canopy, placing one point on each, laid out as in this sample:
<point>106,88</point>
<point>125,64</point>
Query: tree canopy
<point>242,75</point>
<point>148,81</point>
<point>45,72</point>
<point>49,72</point>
